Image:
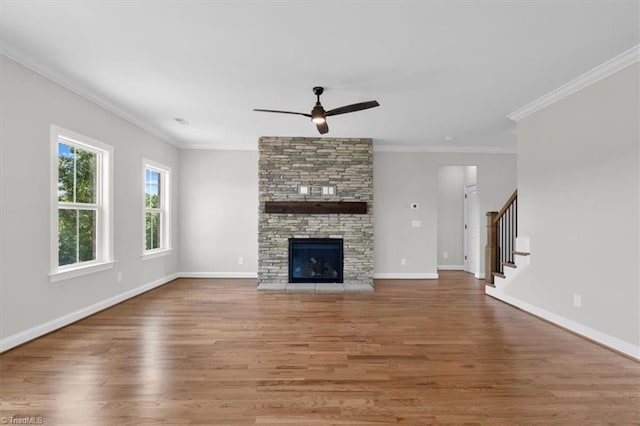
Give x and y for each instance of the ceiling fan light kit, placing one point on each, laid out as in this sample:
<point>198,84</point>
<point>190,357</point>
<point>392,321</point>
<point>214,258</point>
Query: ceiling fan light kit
<point>319,115</point>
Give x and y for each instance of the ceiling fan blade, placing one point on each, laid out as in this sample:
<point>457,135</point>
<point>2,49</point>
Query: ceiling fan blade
<point>352,108</point>
<point>282,112</point>
<point>323,127</point>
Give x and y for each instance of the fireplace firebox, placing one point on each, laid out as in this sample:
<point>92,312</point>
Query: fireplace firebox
<point>315,260</point>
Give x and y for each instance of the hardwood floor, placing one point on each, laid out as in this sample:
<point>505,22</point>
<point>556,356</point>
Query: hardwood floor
<point>214,352</point>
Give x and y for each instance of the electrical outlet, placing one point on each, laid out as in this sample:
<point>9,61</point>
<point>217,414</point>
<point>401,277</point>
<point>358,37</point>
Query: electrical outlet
<point>445,255</point>
<point>577,301</point>
<point>416,223</point>
<point>241,261</point>
<point>403,261</point>
<point>119,277</point>
<point>328,190</point>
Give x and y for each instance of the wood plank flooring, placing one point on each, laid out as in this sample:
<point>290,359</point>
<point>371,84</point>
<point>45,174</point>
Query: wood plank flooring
<point>216,352</point>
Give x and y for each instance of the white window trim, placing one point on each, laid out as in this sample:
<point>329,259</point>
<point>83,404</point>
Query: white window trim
<point>79,270</point>
<point>104,246</point>
<point>165,197</point>
<point>152,254</point>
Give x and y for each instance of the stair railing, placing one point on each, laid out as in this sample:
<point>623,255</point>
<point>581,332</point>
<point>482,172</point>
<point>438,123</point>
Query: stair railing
<point>502,230</point>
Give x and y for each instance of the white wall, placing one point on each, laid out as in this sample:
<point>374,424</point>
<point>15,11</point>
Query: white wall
<point>219,209</point>
<point>400,179</point>
<point>451,216</point>
<point>29,104</point>
<point>578,196</point>
<point>219,212</point>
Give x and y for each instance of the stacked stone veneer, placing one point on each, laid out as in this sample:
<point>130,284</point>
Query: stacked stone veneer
<point>285,163</point>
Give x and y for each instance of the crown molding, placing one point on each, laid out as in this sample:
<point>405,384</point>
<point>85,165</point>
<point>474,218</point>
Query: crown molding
<point>86,94</point>
<point>221,147</point>
<point>598,73</point>
<point>381,148</point>
<point>446,149</point>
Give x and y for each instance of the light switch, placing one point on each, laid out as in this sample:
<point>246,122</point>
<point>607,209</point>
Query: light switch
<point>577,300</point>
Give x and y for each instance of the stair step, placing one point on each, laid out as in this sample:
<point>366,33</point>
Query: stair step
<point>521,253</point>
<point>509,264</point>
<point>498,274</point>
<point>490,285</point>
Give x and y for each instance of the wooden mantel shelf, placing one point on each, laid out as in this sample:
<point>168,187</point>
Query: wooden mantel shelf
<point>316,207</point>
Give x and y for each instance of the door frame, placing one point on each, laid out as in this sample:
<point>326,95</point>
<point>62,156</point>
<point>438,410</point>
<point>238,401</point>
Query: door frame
<point>468,266</point>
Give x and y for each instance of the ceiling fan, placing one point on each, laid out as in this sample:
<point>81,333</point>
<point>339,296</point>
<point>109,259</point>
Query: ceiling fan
<point>319,115</point>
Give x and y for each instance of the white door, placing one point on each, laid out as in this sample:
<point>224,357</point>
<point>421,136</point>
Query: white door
<point>472,230</point>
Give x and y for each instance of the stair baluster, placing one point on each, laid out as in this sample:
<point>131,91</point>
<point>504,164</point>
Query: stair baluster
<point>502,231</point>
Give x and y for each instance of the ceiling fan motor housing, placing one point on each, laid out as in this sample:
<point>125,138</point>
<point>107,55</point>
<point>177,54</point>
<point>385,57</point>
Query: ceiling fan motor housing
<point>317,110</point>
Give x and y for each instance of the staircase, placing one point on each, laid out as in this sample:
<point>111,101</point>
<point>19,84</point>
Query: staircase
<point>506,253</point>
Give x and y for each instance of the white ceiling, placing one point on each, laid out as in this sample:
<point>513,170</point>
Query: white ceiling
<point>438,69</point>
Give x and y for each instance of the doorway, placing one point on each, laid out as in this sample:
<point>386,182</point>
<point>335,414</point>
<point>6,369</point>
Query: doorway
<point>458,219</point>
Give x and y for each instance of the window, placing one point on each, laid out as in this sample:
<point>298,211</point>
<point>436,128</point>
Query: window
<point>81,200</point>
<point>156,208</point>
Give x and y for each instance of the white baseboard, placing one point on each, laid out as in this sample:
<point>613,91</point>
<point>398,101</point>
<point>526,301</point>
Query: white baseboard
<point>405,276</point>
<point>451,267</point>
<point>49,326</point>
<point>598,336</point>
<point>479,275</point>
<point>218,274</point>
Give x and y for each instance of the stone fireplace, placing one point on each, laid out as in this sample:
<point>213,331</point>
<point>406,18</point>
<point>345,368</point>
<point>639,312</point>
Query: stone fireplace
<point>342,214</point>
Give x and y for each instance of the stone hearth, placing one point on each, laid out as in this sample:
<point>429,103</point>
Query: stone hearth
<point>286,163</point>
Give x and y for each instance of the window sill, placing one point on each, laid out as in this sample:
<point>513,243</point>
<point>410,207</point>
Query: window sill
<point>66,274</point>
<point>156,253</point>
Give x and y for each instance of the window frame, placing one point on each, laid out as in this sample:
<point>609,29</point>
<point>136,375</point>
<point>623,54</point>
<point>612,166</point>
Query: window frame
<point>164,209</point>
<point>103,205</point>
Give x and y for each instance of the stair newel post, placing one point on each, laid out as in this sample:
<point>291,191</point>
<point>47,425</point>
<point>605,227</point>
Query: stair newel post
<point>490,251</point>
